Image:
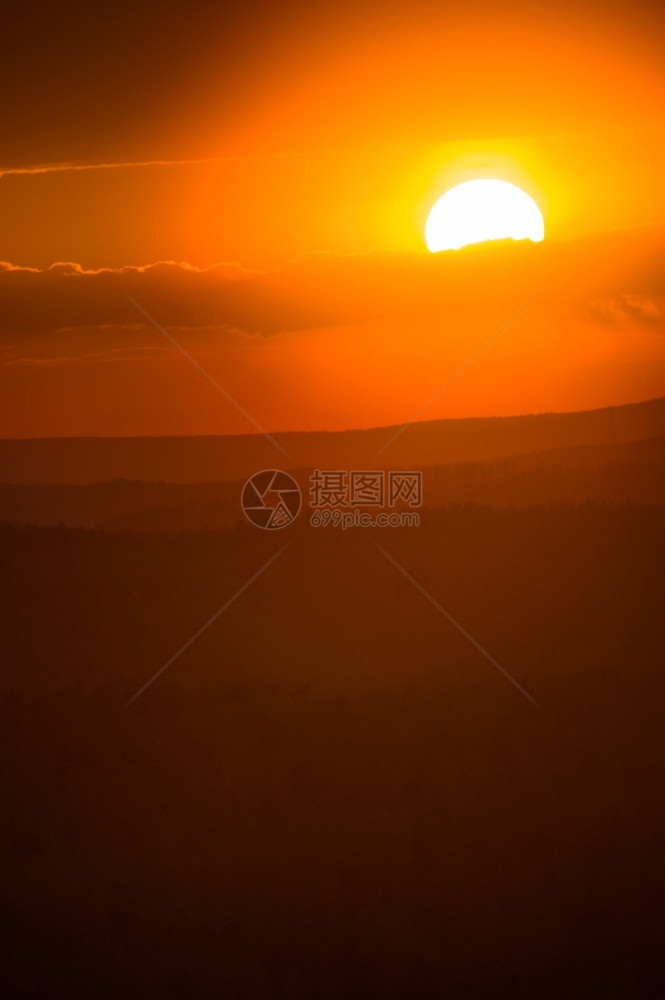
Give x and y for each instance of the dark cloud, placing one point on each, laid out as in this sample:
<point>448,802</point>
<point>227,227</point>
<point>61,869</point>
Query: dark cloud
<point>611,278</point>
<point>314,290</point>
<point>643,309</point>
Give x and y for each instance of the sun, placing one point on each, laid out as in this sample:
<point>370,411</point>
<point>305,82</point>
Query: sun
<point>482,210</point>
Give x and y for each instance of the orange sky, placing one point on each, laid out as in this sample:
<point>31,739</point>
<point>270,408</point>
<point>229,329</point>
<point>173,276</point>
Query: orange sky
<point>298,145</point>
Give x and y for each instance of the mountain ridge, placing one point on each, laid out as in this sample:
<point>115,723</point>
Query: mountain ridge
<point>226,458</point>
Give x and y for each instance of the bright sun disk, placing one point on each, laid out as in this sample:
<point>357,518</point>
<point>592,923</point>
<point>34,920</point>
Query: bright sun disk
<point>481,210</point>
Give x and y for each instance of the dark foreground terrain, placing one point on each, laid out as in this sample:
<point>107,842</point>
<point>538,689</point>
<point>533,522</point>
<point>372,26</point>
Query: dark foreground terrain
<point>332,793</point>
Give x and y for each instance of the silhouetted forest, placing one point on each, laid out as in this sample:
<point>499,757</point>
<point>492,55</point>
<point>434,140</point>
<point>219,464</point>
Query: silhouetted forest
<point>332,792</point>
<point>634,471</point>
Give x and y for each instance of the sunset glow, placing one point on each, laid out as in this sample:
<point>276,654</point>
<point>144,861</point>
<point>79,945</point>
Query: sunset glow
<point>332,499</point>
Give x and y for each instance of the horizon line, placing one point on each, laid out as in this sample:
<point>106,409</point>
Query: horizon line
<point>347,430</point>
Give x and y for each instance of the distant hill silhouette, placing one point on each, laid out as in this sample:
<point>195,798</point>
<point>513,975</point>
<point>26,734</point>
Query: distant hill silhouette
<point>618,473</point>
<point>90,506</point>
<point>81,461</point>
